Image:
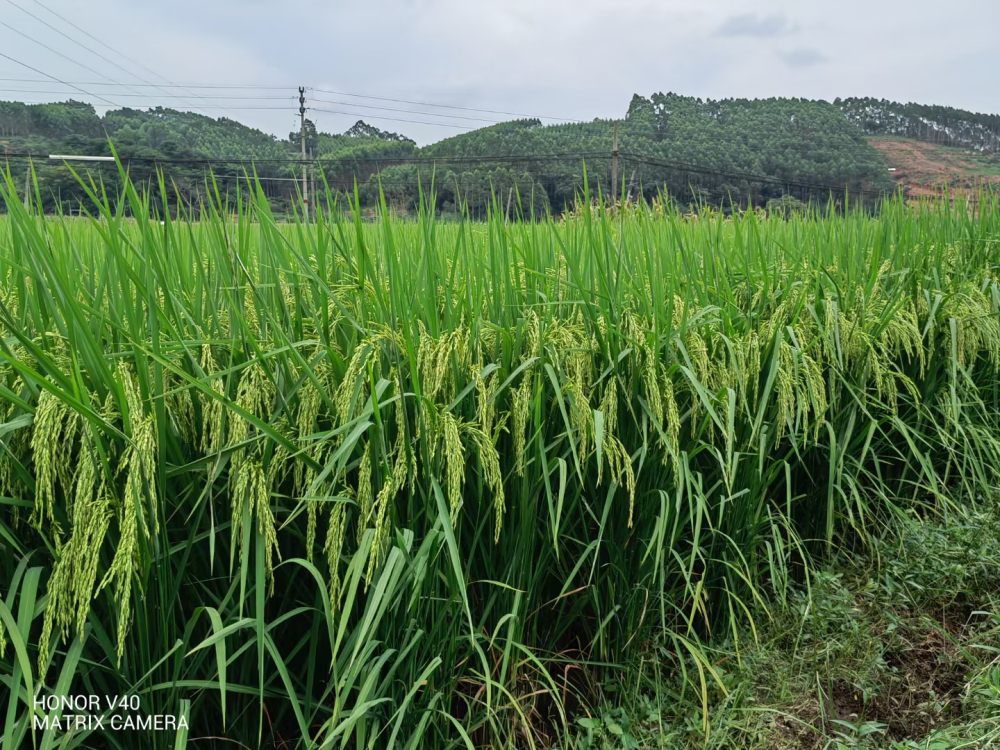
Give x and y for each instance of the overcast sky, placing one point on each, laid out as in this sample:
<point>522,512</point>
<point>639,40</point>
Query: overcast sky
<point>569,59</point>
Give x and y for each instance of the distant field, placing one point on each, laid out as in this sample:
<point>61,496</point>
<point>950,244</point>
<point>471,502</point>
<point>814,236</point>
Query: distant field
<point>421,485</point>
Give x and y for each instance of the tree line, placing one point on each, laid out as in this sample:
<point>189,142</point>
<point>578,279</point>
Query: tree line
<point>932,123</point>
<point>734,151</point>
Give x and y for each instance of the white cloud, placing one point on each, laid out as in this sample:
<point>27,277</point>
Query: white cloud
<point>803,58</point>
<point>754,25</point>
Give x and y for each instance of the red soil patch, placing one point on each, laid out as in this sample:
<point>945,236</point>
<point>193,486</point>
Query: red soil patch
<point>925,169</point>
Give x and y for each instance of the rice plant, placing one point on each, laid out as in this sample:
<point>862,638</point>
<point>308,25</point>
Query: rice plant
<point>401,484</point>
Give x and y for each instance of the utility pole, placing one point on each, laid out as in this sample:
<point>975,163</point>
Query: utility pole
<point>631,184</point>
<point>614,166</point>
<point>305,183</point>
<point>312,188</point>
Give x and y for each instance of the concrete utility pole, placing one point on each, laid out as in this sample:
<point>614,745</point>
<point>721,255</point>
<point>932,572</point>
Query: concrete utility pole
<point>305,183</point>
<point>614,166</point>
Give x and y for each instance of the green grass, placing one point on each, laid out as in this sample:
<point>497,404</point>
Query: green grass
<point>897,648</point>
<point>419,485</point>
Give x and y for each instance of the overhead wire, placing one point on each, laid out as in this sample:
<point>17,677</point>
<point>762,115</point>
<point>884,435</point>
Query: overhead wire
<point>163,85</point>
<point>146,96</point>
<point>805,188</point>
<point>56,52</point>
<point>79,44</point>
<point>678,167</point>
<point>405,111</point>
<point>384,117</point>
<point>748,176</point>
<point>436,105</point>
<point>294,161</point>
<point>601,127</point>
<point>36,70</point>
<point>109,47</point>
<point>445,106</point>
<point>604,125</point>
<point>206,106</point>
<point>604,128</point>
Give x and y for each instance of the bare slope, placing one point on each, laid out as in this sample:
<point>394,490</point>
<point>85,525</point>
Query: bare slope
<point>925,169</point>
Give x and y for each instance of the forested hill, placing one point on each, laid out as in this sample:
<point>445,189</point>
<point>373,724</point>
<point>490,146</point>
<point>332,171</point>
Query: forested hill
<point>936,124</point>
<point>745,151</point>
<point>718,148</point>
<point>179,141</point>
<point>76,128</point>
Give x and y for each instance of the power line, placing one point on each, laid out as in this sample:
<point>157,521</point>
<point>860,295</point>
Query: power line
<point>147,106</point>
<point>56,52</point>
<point>562,156</point>
<point>410,111</point>
<point>102,43</point>
<point>493,159</point>
<point>171,160</point>
<point>36,70</point>
<point>161,85</point>
<point>445,106</point>
<point>251,178</point>
<point>67,36</point>
<point>210,96</point>
<point>108,46</point>
<point>748,176</point>
<point>678,167</point>
<point>310,88</point>
<point>506,158</point>
<point>602,127</point>
<point>383,117</point>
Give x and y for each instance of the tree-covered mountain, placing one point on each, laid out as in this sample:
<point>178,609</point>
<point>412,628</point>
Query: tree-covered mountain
<point>140,138</point>
<point>745,151</point>
<point>177,142</point>
<point>360,153</point>
<point>161,131</point>
<point>739,151</point>
<point>936,124</point>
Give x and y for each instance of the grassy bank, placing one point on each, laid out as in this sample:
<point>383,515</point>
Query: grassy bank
<point>897,648</point>
<point>402,484</point>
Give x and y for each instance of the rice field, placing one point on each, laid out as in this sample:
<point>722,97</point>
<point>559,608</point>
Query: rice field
<point>408,484</point>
